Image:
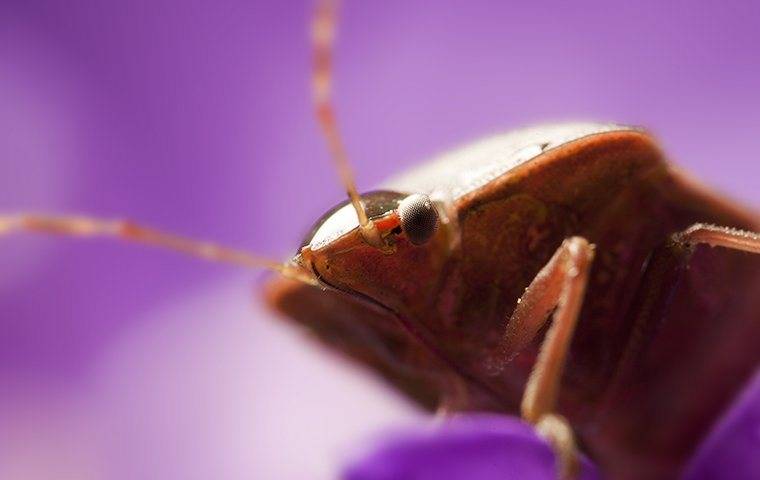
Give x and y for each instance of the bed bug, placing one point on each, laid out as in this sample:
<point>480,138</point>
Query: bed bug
<point>562,272</point>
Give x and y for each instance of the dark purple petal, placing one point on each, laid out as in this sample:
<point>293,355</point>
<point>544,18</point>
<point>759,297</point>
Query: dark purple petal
<point>732,450</point>
<point>474,447</point>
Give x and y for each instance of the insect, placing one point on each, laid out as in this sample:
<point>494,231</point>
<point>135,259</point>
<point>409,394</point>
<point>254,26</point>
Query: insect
<point>422,281</point>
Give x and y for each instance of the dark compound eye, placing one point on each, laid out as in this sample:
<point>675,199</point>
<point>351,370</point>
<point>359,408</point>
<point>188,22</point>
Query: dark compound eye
<point>419,219</point>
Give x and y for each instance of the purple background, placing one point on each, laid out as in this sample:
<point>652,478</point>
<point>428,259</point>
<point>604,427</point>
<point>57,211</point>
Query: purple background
<point>196,117</point>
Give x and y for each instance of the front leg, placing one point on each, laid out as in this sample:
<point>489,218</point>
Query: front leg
<point>569,267</point>
<point>559,287</point>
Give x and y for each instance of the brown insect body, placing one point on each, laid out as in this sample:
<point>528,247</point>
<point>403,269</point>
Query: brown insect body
<point>663,343</point>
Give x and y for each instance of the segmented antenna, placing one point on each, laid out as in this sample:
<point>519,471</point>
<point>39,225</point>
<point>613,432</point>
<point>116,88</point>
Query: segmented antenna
<point>323,37</point>
<point>81,226</point>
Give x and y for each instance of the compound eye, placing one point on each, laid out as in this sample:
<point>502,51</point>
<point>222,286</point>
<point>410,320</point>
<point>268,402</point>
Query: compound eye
<point>419,219</point>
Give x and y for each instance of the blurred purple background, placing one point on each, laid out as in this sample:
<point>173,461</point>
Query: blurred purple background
<point>122,362</point>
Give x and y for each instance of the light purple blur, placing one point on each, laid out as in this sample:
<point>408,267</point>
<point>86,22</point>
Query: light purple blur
<point>195,116</point>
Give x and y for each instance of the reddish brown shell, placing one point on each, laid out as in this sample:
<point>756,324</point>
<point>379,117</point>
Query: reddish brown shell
<point>648,371</point>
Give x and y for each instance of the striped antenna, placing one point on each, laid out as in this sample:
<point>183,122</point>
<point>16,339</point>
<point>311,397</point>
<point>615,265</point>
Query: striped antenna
<point>323,38</point>
<point>81,226</point>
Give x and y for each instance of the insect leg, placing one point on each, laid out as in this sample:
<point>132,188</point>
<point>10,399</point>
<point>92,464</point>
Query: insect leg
<point>715,236</point>
<point>570,267</point>
<point>81,226</point>
<point>692,330</point>
<point>557,431</point>
<point>560,286</point>
<point>666,266</point>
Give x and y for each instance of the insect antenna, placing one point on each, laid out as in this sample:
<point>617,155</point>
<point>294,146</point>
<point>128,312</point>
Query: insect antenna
<point>323,34</point>
<point>81,226</point>
<point>323,38</point>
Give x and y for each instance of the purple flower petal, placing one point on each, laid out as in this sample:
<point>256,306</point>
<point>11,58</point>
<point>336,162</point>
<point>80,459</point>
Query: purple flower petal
<point>731,449</point>
<point>474,447</point>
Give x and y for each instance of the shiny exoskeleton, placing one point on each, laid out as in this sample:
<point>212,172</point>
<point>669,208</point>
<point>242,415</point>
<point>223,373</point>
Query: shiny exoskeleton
<point>667,333</point>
